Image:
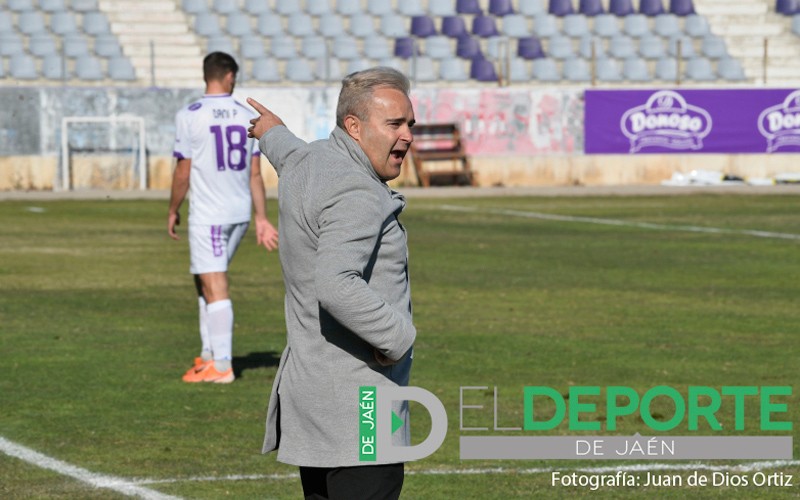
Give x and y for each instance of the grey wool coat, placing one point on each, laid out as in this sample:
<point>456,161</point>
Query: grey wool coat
<point>344,258</point>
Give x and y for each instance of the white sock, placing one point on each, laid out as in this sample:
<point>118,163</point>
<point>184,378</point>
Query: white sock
<point>220,331</point>
<point>205,350</point>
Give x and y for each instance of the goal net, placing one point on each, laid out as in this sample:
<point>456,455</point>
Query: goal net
<point>102,152</point>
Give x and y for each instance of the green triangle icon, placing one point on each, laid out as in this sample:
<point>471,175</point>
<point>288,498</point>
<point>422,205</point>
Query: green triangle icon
<point>397,422</point>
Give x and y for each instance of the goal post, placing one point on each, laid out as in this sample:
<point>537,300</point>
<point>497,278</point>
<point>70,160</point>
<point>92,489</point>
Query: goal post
<point>116,134</point>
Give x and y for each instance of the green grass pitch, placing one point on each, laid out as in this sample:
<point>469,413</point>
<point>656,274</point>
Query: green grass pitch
<point>98,322</point>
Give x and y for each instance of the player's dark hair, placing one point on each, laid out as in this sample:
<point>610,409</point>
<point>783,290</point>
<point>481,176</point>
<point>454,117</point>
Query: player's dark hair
<point>218,64</point>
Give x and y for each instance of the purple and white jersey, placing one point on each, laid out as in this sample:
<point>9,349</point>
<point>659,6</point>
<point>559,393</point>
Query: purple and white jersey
<point>212,132</point>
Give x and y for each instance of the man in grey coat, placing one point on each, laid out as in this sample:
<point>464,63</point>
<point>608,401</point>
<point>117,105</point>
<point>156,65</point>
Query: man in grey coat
<point>344,257</point>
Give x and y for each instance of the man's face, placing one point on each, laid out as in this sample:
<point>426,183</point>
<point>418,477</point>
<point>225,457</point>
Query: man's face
<point>385,135</point>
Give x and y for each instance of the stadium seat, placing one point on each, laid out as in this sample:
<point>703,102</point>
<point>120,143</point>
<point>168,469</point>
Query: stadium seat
<point>73,46</point>
<point>287,7</point>
<point>219,43</point>
<point>6,22</point>
<point>634,69</point>
<point>265,70</point>
<point>31,22</point>
<point>607,70</point>
<point>622,47</point>
<point>53,67</point>
<point>207,24</point>
<point>318,8</point>
<point>394,26</point>
<point>652,47</point>
<point>787,7</point>
<point>591,8</point>
<point>686,47</point>
<point>575,25</point>
<point>83,5</point>
<point>300,25</point>
<point>377,48</point>
<point>299,71</point>
<point>681,7</point>
<point>423,26</point>
<point>468,47</point>
<point>530,48</point>
<point>667,69</point>
<point>107,46</point>
<point>362,25</point>
<point>532,8</point>
<point>270,25</point>
<point>331,26</point>
<point>348,7</point>
<point>635,25</point>
<point>380,7</point>
<point>410,8</point>
<point>42,44</point>
<point>189,6</point>
<point>545,26</point>
<point>484,27</point>
<point>52,6</point>
<point>452,69</point>
<point>437,47</point>
<point>590,48</point>
<point>89,68</point>
<point>256,7</point>
<point>651,8</point>
<point>468,7</point>
<point>224,7</point>
<point>282,47</point>
<point>394,62</point>
<point>577,70</point>
<point>730,69</point>
<point>23,67</point>
<point>95,23</point>
<point>11,44</point>
<point>695,26</point>
<point>405,47</point>
<point>441,8</point>
<point>667,25</point>
<point>482,70</point>
<point>2,69</point>
<point>500,7</point>
<point>424,70</point>
<point>796,24</point>
<point>560,47</point>
<point>545,69</point>
<point>121,69</point>
<point>314,47</point>
<point>329,69</point>
<point>356,65</point>
<point>621,8</point>
<point>454,26</point>
<point>713,47</point>
<point>63,23</point>
<point>345,47</point>
<point>605,25</point>
<point>560,8</point>
<point>252,47</point>
<point>700,69</point>
<point>238,24</point>
<point>496,46</point>
<point>20,5</point>
<point>518,70</point>
<point>514,26</point>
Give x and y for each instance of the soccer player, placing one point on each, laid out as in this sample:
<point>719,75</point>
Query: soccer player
<point>220,168</point>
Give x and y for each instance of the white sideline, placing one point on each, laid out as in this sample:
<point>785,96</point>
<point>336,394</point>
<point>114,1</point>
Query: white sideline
<point>624,223</point>
<point>117,484</point>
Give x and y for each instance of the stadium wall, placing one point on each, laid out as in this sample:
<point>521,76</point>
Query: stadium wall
<point>516,137</point>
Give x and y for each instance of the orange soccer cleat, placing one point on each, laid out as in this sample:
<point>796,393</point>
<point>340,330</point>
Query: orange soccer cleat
<point>206,372</point>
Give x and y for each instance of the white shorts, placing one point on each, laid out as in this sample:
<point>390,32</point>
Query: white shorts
<point>211,248</point>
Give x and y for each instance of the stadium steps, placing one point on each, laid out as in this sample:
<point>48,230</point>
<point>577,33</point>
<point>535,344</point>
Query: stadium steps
<point>745,24</point>
<point>141,24</point>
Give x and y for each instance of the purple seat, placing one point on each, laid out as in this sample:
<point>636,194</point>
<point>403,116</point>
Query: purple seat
<point>423,26</point>
<point>530,48</point>
<point>482,70</point>
<point>500,7</point>
<point>454,26</point>
<point>560,8</point>
<point>468,48</point>
<point>681,7</point>
<point>787,7</point>
<point>404,47</point>
<point>483,26</point>
<point>621,7</point>
<point>591,8</point>
<point>468,7</point>
<point>651,7</point>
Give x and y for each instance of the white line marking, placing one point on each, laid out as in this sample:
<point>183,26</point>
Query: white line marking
<point>618,222</point>
<point>743,467</point>
<point>117,484</point>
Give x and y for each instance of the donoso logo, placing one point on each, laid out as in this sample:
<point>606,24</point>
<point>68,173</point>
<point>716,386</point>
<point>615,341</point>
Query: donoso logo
<point>780,124</point>
<point>666,120</point>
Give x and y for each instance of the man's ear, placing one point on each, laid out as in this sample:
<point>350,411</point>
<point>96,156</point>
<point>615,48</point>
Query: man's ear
<point>352,125</point>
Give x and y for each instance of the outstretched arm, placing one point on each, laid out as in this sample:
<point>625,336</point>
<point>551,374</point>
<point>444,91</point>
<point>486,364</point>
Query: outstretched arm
<point>266,234</point>
<point>180,186</point>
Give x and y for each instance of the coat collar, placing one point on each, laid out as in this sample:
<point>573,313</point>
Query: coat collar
<point>342,142</point>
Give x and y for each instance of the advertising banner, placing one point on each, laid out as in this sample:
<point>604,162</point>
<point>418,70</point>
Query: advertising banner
<point>692,121</point>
